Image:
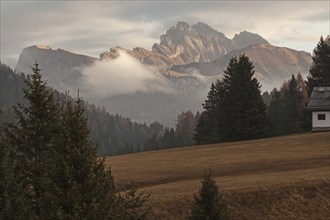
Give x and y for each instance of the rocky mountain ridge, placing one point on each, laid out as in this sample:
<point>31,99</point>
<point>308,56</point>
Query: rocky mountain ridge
<point>184,44</point>
<point>189,58</point>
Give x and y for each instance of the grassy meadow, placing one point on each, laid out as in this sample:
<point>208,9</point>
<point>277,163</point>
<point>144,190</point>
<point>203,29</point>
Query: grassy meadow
<point>284,177</point>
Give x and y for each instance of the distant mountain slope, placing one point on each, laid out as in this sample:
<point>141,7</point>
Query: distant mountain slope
<point>245,39</point>
<point>272,64</point>
<point>61,68</point>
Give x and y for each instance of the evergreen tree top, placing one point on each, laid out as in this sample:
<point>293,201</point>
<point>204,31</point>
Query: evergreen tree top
<point>319,73</point>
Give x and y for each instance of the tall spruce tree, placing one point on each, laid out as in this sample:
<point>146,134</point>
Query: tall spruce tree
<point>207,128</point>
<point>286,110</point>
<point>319,73</point>
<point>33,140</point>
<point>84,187</point>
<point>244,109</point>
<point>234,109</point>
<point>209,204</point>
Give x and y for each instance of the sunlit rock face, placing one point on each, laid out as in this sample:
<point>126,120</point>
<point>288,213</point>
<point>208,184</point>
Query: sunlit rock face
<point>183,44</point>
<point>197,43</point>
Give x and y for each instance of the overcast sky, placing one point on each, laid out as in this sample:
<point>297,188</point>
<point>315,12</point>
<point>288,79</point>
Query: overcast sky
<point>91,27</point>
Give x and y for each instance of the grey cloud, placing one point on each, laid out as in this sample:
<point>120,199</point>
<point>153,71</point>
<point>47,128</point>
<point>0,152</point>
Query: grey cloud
<point>91,25</point>
<point>319,17</point>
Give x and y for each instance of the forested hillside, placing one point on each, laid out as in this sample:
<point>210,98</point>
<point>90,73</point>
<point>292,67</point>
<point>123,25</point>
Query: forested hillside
<point>115,134</point>
<point>49,168</point>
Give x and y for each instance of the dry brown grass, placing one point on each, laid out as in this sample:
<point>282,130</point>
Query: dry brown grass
<point>302,200</point>
<point>254,171</point>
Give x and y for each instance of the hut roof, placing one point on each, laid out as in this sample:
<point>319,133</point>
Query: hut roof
<point>320,99</point>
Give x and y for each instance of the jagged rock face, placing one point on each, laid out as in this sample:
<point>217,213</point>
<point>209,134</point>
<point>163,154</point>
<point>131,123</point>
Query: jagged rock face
<point>60,68</point>
<point>198,43</point>
<point>185,44</point>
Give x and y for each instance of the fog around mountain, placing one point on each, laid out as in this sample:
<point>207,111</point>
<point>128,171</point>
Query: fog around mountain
<point>123,75</point>
<point>173,77</point>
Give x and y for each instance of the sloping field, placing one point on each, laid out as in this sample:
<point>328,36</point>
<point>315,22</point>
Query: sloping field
<point>250,171</point>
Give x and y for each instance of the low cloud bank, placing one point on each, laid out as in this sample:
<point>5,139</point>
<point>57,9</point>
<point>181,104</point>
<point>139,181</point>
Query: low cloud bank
<point>123,75</point>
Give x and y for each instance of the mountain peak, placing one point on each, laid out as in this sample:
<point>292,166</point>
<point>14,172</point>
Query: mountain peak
<point>245,39</point>
<point>184,44</point>
<point>182,25</point>
<point>206,30</point>
<point>204,26</point>
<point>39,46</point>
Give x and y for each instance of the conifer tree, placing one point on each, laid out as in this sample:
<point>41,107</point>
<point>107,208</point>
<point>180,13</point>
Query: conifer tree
<point>244,109</point>
<point>234,109</point>
<point>203,130</point>
<point>84,187</point>
<point>292,107</point>
<point>286,111</point>
<point>207,128</point>
<point>11,195</point>
<point>306,119</point>
<point>209,204</point>
<point>133,204</point>
<point>319,73</point>
<point>33,139</point>
<point>274,113</point>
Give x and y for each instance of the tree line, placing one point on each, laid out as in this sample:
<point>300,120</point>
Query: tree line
<point>236,110</point>
<point>115,134</point>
